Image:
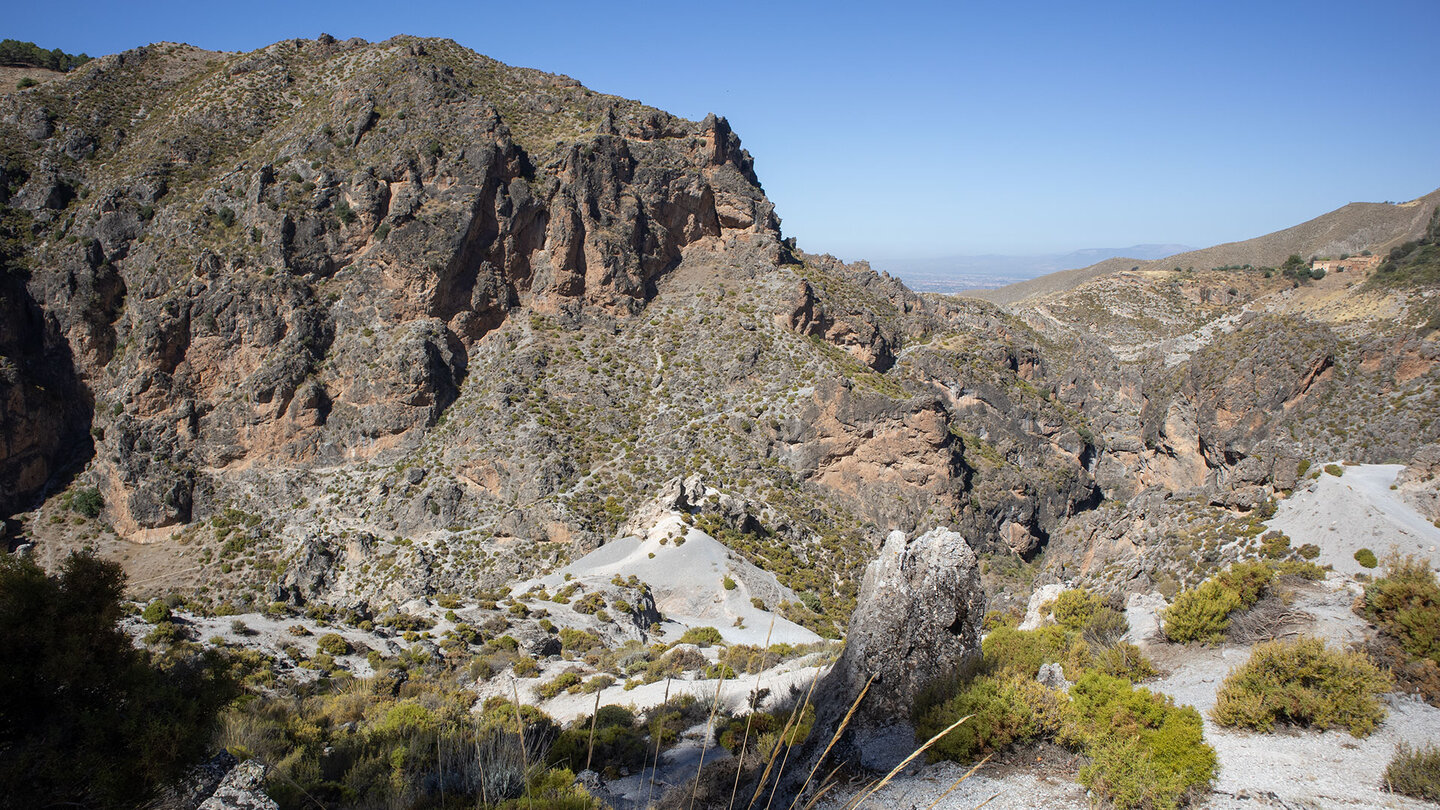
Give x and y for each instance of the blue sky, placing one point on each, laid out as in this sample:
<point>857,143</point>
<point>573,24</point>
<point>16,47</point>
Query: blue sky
<point>930,129</point>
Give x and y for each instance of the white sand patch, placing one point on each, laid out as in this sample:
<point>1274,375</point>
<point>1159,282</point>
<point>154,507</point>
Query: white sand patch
<point>688,582</point>
<point>1358,510</point>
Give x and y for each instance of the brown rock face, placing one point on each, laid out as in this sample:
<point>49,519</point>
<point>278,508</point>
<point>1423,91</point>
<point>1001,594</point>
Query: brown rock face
<point>896,460</point>
<point>301,277</point>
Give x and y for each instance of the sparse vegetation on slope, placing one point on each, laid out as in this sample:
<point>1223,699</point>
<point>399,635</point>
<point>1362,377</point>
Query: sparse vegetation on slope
<point>1415,771</point>
<point>1413,263</point>
<point>1144,751</point>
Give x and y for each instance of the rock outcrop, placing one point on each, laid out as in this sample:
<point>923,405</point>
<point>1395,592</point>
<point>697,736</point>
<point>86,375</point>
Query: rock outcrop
<point>241,789</point>
<point>300,277</point>
<point>917,622</point>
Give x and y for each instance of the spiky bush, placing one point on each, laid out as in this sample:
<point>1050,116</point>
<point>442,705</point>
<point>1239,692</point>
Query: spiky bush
<point>1304,683</point>
<point>1415,771</point>
<point>1405,604</point>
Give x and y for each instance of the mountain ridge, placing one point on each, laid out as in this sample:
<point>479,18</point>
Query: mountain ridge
<point>1351,228</point>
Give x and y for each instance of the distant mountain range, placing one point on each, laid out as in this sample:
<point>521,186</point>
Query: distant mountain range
<point>1348,229</point>
<point>949,274</point>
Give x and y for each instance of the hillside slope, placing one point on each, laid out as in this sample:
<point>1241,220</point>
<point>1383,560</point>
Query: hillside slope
<point>1350,229</point>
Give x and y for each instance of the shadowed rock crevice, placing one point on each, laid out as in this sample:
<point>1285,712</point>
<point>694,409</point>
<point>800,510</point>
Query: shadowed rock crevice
<point>45,409</point>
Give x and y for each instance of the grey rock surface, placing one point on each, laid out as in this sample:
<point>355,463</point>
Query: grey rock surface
<point>918,621</point>
<point>241,789</point>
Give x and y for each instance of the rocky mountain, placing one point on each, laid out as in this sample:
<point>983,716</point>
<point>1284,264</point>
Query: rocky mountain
<point>400,301</point>
<point>359,322</point>
<point>339,345</point>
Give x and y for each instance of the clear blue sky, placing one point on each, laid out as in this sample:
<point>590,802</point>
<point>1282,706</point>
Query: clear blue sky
<point>929,129</point>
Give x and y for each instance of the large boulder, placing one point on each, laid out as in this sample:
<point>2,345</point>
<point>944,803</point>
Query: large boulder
<point>917,621</point>
<point>242,789</point>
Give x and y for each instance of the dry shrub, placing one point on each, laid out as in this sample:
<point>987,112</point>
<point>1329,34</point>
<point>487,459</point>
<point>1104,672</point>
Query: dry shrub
<point>1268,620</point>
<point>1415,772</point>
<point>1304,683</point>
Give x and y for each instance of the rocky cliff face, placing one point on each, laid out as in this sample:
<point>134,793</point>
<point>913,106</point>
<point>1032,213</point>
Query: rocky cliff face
<point>401,311</point>
<point>287,256</point>
<point>365,321</point>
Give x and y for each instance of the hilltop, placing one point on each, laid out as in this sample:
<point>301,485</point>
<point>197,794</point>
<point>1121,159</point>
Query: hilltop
<point>1350,229</point>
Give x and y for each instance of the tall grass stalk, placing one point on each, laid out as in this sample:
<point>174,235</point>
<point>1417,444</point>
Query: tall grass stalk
<point>749,719</point>
<point>594,717</point>
<point>655,766</point>
<point>833,738</point>
<point>907,760</point>
<point>524,757</point>
<point>825,787</point>
<point>709,731</point>
<point>785,738</point>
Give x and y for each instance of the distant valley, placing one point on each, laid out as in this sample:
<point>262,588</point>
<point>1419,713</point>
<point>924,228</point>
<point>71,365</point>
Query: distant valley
<point>952,274</point>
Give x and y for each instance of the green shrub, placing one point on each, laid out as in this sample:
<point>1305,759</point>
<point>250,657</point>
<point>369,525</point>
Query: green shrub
<point>1124,660</point>
<point>590,603</point>
<point>1105,627</point>
<point>597,684</point>
<point>1165,760</point>
<point>1309,551</point>
<point>1274,545</point>
<point>1414,772</point>
<point>156,612</point>
<point>1007,650</point>
<point>619,742</point>
<point>1303,569</point>
<point>333,644</point>
<point>1366,558</point>
<point>25,83</point>
<point>1145,751</point>
<point>763,732</point>
<point>87,501</point>
<point>1405,605</point>
<point>1073,608</point>
<point>579,641</point>
<point>1335,470</point>
<point>1247,579</point>
<point>728,583</point>
<point>1304,683</point>
<point>1004,709</point>
<point>1202,614</point>
<point>560,683</point>
<point>702,637</point>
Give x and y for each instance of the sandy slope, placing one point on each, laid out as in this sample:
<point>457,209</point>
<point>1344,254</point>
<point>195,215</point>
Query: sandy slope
<point>688,583</point>
<point>1357,510</point>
